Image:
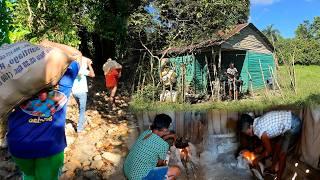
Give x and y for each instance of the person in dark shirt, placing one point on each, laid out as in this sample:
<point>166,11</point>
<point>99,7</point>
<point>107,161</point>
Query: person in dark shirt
<point>37,142</point>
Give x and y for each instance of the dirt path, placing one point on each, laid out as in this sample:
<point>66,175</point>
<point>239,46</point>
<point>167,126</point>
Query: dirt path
<point>99,152</point>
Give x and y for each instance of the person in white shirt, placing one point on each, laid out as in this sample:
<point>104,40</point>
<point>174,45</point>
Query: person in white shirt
<point>80,89</point>
<point>281,126</point>
<point>232,73</point>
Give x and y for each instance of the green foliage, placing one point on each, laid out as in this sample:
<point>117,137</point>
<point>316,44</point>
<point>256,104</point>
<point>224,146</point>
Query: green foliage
<point>307,93</point>
<point>5,20</point>
<point>191,21</point>
<point>303,31</point>
<point>38,20</point>
<point>303,49</point>
<point>271,33</point>
<point>148,94</point>
<point>61,21</point>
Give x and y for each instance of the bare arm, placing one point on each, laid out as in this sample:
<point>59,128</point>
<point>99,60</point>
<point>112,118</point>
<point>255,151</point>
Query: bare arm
<point>91,71</point>
<point>267,144</point>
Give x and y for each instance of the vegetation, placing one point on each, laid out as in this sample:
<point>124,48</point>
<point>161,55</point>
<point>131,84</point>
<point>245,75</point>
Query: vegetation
<point>99,28</point>
<point>129,30</point>
<point>307,93</point>
<point>304,47</point>
<point>191,21</point>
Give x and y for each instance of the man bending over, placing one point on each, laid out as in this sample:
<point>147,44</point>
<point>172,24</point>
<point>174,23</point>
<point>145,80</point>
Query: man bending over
<point>149,151</point>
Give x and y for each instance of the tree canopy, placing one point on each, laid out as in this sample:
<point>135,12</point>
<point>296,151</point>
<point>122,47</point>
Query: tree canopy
<point>304,48</point>
<point>191,21</point>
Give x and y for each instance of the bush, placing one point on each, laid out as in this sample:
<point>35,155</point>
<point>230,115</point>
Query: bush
<point>305,51</point>
<point>148,94</point>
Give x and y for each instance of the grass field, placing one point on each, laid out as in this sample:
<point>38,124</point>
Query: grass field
<point>307,92</point>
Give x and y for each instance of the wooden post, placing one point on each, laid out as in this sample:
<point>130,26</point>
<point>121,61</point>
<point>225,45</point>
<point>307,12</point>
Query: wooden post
<point>142,86</point>
<point>251,86</point>
<point>210,122</point>
<point>180,123</point>
<point>208,71</point>
<point>171,100</point>
<point>271,76</point>
<point>235,97</point>
<point>219,71</point>
<point>216,121</point>
<point>223,121</point>
<point>182,83</point>
<point>294,74</point>
<point>216,88</point>
<point>275,79</point>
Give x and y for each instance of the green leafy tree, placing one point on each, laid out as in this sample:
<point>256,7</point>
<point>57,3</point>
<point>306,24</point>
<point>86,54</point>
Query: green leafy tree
<point>5,20</point>
<point>303,31</point>
<point>272,34</point>
<point>191,21</point>
<point>315,28</point>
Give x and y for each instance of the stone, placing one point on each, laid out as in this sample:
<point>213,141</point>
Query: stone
<point>112,157</point>
<point>3,174</point>
<point>92,175</point>
<point>69,129</point>
<point>86,168</point>
<point>121,113</point>
<point>97,158</point>
<point>97,164</point>
<point>71,166</point>
<point>3,143</point>
<point>68,175</point>
<point>86,163</point>
<point>99,144</point>
<point>105,175</point>
<point>6,165</point>
<point>70,140</point>
<point>116,142</point>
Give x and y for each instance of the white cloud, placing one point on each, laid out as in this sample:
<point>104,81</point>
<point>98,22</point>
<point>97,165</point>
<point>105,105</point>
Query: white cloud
<point>263,2</point>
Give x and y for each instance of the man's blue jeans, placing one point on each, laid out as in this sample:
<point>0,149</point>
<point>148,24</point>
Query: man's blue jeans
<point>81,99</point>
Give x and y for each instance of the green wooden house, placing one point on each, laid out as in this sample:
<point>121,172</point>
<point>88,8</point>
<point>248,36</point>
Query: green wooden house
<point>245,46</point>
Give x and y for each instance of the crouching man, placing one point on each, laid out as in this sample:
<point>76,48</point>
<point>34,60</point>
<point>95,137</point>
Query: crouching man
<point>283,127</point>
<point>146,159</point>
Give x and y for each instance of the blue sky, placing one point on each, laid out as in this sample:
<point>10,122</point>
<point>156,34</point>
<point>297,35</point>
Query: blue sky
<point>285,15</point>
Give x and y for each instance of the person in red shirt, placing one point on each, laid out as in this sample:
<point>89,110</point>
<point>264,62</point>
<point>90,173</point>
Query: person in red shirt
<point>112,78</point>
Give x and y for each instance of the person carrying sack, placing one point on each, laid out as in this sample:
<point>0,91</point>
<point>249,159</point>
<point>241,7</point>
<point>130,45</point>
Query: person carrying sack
<point>112,71</point>
<point>80,90</point>
<point>36,140</point>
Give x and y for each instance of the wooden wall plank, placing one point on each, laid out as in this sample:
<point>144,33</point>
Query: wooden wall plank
<point>216,121</point>
<point>223,121</point>
<point>233,118</point>
<point>210,123</point>
<point>179,123</point>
